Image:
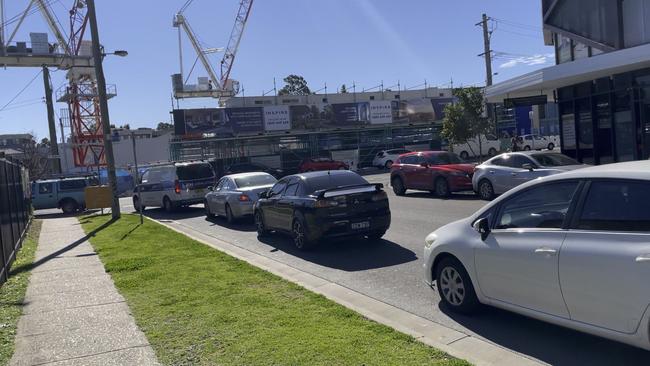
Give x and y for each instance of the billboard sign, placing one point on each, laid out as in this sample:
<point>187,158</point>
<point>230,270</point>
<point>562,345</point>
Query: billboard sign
<point>245,120</point>
<point>439,105</point>
<point>346,114</point>
<point>276,118</point>
<point>381,112</point>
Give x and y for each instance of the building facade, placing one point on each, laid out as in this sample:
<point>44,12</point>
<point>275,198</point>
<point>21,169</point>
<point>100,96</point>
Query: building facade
<point>601,80</point>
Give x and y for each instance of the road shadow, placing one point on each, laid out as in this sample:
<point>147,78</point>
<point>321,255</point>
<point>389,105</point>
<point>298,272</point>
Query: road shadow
<point>350,255</point>
<point>546,342</point>
<point>177,214</point>
<point>57,214</point>
<point>459,196</point>
<point>243,224</point>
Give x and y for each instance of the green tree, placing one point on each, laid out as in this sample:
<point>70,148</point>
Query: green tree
<point>295,85</point>
<point>343,89</point>
<point>465,120</point>
<point>164,126</point>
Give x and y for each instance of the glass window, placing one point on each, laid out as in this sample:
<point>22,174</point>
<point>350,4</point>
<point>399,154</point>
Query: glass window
<point>443,159</point>
<point>221,184</point>
<point>624,127</point>
<point>291,190</point>
<point>543,206</point>
<point>72,184</point>
<point>604,129</point>
<point>327,181</point>
<point>518,161</point>
<point>586,130</point>
<point>580,51</point>
<point>194,171</point>
<point>617,206</point>
<point>255,180</point>
<point>278,188</point>
<point>45,188</point>
<point>554,159</point>
<point>228,185</point>
<point>563,49</point>
<point>145,177</point>
<point>500,161</point>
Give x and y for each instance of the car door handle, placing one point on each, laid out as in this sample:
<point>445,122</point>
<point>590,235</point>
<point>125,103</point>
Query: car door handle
<point>491,171</point>
<point>643,258</point>
<point>546,251</point>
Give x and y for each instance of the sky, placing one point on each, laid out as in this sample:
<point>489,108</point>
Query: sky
<point>333,42</point>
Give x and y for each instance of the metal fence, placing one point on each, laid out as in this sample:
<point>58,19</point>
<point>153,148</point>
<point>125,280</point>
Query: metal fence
<point>15,212</point>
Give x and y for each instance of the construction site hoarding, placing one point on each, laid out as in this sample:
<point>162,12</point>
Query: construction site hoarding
<point>245,120</point>
<point>277,118</point>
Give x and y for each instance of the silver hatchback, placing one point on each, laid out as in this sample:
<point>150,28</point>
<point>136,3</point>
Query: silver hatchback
<point>235,195</point>
<point>506,171</point>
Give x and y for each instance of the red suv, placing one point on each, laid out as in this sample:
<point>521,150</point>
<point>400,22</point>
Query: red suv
<point>439,172</point>
<point>316,164</point>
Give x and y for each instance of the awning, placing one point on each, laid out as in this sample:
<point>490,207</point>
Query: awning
<point>545,81</point>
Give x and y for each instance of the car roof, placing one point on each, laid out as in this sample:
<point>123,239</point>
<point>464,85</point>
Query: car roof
<point>628,170</point>
<point>245,175</point>
<point>321,173</point>
<point>426,153</point>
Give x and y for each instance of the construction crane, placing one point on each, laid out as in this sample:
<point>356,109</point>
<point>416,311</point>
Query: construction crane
<point>216,87</point>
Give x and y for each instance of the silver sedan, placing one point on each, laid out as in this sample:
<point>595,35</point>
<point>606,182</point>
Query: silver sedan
<point>235,195</point>
<point>506,171</point>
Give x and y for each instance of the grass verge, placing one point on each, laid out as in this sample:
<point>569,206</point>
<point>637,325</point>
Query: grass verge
<point>199,306</point>
<point>12,292</point>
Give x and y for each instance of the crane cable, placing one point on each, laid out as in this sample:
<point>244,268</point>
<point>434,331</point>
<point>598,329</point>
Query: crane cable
<point>21,91</point>
<point>185,6</point>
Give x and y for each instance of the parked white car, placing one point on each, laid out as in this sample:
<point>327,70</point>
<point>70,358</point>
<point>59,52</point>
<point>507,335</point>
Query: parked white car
<point>571,249</point>
<point>489,145</point>
<point>537,142</point>
<point>385,158</point>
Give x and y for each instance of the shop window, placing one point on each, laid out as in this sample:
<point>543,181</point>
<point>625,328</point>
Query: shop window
<point>567,120</point>
<point>624,127</point>
<point>604,129</point>
<point>586,131</point>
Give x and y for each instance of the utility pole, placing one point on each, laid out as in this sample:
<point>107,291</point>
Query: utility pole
<point>487,53</point>
<point>138,184</point>
<point>103,107</point>
<point>54,158</point>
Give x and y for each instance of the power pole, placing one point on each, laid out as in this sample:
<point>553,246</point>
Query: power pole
<point>487,53</point>
<point>103,108</point>
<point>54,158</point>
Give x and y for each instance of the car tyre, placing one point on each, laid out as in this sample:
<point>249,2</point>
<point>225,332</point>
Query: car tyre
<point>492,152</point>
<point>299,235</point>
<point>208,212</point>
<point>464,155</point>
<point>398,186</point>
<point>455,287</point>
<point>229,215</point>
<point>485,190</point>
<point>551,146</point>
<point>388,164</point>
<point>442,187</point>
<point>259,224</point>
<point>526,148</point>
<point>69,206</point>
<point>168,205</point>
<point>136,204</point>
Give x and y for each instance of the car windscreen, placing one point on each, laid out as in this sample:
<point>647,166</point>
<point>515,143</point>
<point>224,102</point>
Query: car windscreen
<point>255,180</point>
<point>554,160</point>
<point>328,181</point>
<point>194,171</point>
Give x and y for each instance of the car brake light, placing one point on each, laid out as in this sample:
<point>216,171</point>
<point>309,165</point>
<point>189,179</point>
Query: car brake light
<point>326,203</point>
<point>244,198</point>
<point>379,196</point>
<point>177,187</point>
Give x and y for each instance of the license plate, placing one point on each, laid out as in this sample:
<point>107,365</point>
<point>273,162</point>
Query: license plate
<point>360,225</point>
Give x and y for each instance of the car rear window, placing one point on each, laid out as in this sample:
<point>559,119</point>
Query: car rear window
<point>255,180</point>
<point>72,184</point>
<point>194,171</point>
<point>328,181</point>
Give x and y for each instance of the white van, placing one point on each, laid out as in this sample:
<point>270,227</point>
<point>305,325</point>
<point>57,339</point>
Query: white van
<point>490,145</point>
<point>174,185</point>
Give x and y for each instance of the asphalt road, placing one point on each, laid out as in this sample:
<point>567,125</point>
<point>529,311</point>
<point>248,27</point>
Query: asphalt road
<point>391,271</point>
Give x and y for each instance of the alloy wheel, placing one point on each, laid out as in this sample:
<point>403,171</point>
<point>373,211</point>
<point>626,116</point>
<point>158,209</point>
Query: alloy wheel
<point>486,191</point>
<point>298,234</point>
<point>452,286</point>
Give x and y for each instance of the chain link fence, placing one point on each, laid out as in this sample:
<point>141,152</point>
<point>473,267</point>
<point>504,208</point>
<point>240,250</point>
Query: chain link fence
<point>15,212</point>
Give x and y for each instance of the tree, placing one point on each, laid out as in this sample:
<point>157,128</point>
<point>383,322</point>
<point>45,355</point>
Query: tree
<point>45,141</point>
<point>344,90</point>
<point>164,126</point>
<point>295,85</point>
<point>464,120</point>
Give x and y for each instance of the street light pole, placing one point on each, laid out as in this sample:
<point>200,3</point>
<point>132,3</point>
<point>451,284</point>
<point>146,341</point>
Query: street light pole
<point>103,107</point>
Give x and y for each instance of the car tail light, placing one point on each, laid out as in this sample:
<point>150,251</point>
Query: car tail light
<point>379,196</point>
<point>326,203</point>
<point>177,187</point>
<point>244,198</point>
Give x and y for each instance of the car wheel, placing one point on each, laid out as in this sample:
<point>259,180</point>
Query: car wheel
<point>136,204</point>
<point>259,224</point>
<point>388,164</point>
<point>69,206</point>
<point>526,148</point>
<point>492,152</point>
<point>485,190</point>
<point>398,186</point>
<point>167,205</point>
<point>442,187</point>
<point>464,155</point>
<point>455,287</point>
<point>229,216</point>
<point>551,146</point>
<point>208,212</point>
<point>299,234</point>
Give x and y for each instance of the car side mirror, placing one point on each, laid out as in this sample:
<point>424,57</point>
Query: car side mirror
<point>264,194</point>
<point>210,188</point>
<point>482,226</point>
<point>528,166</point>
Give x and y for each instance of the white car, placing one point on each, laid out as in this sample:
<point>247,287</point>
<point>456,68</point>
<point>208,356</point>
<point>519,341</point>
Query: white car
<point>537,142</point>
<point>385,158</point>
<point>489,145</point>
<point>571,249</point>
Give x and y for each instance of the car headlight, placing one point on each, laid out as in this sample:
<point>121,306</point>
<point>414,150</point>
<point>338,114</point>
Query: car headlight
<point>429,240</point>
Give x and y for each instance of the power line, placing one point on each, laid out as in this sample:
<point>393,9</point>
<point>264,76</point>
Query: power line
<point>517,25</point>
<point>22,90</point>
<point>521,34</point>
<point>32,11</point>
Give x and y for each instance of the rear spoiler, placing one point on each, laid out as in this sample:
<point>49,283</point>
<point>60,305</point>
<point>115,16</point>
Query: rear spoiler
<point>351,189</point>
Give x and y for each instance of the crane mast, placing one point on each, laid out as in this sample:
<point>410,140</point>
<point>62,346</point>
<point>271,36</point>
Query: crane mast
<point>235,38</point>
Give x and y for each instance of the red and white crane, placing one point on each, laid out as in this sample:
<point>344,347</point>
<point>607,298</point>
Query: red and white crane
<point>220,86</point>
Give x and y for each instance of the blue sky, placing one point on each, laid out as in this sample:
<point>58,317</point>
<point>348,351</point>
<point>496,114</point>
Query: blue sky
<point>334,42</point>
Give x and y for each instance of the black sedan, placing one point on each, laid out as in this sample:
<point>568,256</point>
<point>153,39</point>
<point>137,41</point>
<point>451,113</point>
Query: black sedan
<point>252,168</point>
<point>325,204</point>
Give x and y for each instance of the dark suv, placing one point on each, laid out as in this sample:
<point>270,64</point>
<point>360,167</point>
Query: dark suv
<point>312,206</point>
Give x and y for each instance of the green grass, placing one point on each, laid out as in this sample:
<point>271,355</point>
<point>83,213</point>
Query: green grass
<point>12,292</point>
<point>199,306</point>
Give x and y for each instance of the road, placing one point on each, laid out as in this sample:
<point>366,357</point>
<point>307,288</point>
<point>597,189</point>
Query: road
<point>391,271</point>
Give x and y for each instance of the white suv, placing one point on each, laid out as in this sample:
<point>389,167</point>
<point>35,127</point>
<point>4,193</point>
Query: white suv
<point>174,185</point>
<point>571,249</point>
<point>385,158</point>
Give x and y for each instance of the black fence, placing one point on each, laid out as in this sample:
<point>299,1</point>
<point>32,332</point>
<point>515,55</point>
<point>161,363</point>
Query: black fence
<point>15,212</point>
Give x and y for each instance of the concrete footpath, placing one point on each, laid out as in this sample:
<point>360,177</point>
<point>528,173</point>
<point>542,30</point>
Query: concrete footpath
<point>73,314</point>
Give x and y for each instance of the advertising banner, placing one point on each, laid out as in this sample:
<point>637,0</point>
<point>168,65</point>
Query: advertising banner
<point>199,122</point>
<point>346,114</point>
<point>309,117</point>
<point>381,112</point>
<point>415,110</point>
<point>439,105</point>
<point>276,118</point>
<point>245,120</point>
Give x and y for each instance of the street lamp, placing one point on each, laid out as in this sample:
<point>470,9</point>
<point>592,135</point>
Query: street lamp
<point>120,53</point>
